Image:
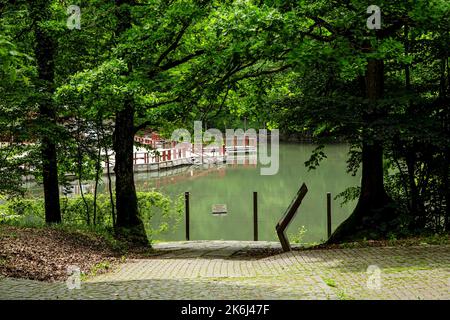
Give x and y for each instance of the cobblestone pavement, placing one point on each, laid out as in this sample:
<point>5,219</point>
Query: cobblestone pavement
<point>220,270</point>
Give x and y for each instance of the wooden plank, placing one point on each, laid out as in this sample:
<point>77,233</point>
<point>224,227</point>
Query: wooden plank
<point>287,217</point>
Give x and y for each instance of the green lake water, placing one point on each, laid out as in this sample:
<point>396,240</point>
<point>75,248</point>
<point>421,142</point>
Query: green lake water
<point>233,185</point>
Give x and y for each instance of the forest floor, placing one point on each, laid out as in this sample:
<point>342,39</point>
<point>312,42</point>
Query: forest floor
<point>45,253</point>
<point>412,269</point>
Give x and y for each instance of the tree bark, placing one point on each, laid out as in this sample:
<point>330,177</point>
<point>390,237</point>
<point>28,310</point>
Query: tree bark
<point>50,181</point>
<point>444,93</point>
<point>447,190</point>
<point>128,224</point>
<point>44,52</point>
<point>373,213</point>
<point>108,173</point>
<point>98,167</point>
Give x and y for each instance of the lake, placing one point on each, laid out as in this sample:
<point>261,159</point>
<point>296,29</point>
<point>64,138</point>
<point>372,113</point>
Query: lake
<point>233,186</point>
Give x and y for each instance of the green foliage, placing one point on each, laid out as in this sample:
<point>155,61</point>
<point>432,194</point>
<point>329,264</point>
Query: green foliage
<point>348,195</point>
<point>23,212</point>
<point>159,213</point>
<point>323,95</point>
<point>101,266</point>
<point>330,282</point>
<point>15,154</point>
<point>299,66</point>
<point>298,236</point>
<point>317,156</point>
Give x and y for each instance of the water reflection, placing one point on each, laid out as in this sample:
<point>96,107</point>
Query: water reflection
<point>233,185</point>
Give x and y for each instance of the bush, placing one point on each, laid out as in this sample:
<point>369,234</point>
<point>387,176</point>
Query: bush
<point>298,236</point>
<point>22,212</point>
<point>159,212</point>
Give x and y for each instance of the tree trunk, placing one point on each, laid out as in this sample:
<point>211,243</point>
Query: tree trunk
<point>373,213</point>
<point>44,51</point>
<point>111,198</point>
<point>80,171</point>
<point>447,190</point>
<point>108,173</point>
<point>98,167</point>
<point>128,225</point>
<point>444,93</point>
<point>50,179</point>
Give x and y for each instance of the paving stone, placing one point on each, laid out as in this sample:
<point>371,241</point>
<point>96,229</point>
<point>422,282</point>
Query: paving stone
<point>213,270</point>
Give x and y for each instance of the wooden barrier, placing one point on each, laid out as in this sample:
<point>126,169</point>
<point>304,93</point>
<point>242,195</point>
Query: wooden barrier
<point>329,214</point>
<point>186,208</point>
<point>255,216</point>
<point>286,219</point>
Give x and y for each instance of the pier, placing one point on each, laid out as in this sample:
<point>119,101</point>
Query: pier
<point>152,153</point>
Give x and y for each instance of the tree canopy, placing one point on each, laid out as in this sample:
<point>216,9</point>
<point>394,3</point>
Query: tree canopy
<point>306,67</point>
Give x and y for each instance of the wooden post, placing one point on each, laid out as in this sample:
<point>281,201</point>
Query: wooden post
<point>329,214</point>
<point>287,217</point>
<point>186,204</point>
<point>255,216</point>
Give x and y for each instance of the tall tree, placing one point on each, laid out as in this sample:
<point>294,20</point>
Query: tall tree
<point>339,89</point>
<point>128,220</point>
<point>168,62</point>
<point>45,60</point>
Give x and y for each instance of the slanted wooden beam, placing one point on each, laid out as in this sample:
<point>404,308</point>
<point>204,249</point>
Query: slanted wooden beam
<point>286,219</point>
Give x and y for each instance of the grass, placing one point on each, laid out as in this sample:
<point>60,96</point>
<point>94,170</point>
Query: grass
<point>342,295</point>
<point>298,236</point>
<point>407,268</point>
<point>330,282</point>
<point>101,266</point>
<point>392,241</point>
